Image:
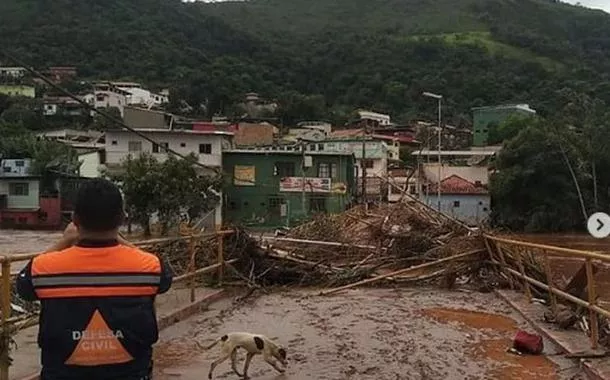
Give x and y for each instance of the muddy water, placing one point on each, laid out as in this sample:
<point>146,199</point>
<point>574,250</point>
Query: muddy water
<point>575,241</point>
<point>365,334</point>
<point>14,242</point>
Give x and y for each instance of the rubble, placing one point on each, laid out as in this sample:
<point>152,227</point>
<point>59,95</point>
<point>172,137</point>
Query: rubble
<point>383,243</point>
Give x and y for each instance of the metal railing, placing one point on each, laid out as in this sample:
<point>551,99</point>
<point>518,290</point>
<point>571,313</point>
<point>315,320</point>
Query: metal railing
<point>511,256</point>
<point>11,325</point>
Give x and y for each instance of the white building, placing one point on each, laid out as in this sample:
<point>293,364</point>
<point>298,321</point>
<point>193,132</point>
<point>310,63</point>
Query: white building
<point>15,72</point>
<point>206,145</point>
<point>106,95</point>
<point>381,118</point>
<point>140,96</point>
<point>15,167</point>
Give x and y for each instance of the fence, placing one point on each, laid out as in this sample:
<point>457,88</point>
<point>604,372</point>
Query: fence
<point>520,261</point>
<point>11,325</point>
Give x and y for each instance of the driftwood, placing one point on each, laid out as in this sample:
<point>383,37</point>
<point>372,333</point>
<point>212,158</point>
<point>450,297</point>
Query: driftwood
<point>401,271</point>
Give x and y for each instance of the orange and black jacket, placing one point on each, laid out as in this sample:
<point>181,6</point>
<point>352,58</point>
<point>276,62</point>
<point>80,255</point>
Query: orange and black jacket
<point>97,319</point>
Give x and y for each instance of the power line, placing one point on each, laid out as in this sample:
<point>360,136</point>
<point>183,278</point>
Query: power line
<point>103,113</point>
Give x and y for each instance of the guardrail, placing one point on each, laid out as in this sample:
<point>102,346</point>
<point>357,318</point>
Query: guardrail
<point>508,253</point>
<point>10,325</point>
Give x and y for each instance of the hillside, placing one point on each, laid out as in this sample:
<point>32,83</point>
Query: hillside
<point>322,58</point>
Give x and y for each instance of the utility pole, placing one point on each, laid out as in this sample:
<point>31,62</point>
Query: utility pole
<point>303,176</point>
<point>363,165</point>
<point>440,134</point>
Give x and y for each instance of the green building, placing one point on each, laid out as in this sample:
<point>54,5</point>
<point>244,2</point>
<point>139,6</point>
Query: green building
<point>485,118</point>
<point>265,187</point>
<point>18,90</point>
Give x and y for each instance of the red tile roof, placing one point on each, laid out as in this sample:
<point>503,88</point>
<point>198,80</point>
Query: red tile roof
<point>458,185</point>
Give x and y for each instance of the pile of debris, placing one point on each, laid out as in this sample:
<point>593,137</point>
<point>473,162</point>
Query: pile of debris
<point>398,242</point>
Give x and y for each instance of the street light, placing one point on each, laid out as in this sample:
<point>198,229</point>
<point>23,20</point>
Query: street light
<point>438,187</point>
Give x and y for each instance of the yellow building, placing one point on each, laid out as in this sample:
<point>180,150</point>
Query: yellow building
<point>18,90</point>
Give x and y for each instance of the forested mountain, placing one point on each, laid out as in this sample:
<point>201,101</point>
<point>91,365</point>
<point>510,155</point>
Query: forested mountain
<point>325,57</point>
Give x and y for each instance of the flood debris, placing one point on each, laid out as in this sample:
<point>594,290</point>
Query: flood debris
<point>401,243</point>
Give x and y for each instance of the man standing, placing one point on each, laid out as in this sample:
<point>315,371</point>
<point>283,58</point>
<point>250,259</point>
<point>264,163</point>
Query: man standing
<point>97,320</point>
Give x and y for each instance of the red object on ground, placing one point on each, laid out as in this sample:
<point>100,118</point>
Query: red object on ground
<point>528,343</point>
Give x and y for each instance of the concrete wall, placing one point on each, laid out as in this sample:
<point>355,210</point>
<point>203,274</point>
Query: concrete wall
<point>29,201</point>
<point>140,118</point>
<point>117,145</point>
<point>90,164</point>
<point>470,209</point>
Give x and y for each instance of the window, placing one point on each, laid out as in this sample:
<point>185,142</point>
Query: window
<point>368,164</point>
<point>19,163</point>
<point>205,148</point>
<point>312,147</point>
<point>160,148</point>
<point>99,97</point>
<point>284,169</point>
<point>19,189</point>
<point>477,183</point>
<point>134,146</point>
<point>323,170</point>
<point>6,169</point>
<point>334,171</point>
<point>275,205</point>
<point>320,146</point>
<point>484,208</point>
<point>182,145</point>
<point>114,142</point>
<point>456,204</point>
<point>102,157</point>
<point>412,189</point>
<point>317,204</point>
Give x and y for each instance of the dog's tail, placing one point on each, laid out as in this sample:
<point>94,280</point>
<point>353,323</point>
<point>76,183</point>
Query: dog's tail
<point>222,338</point>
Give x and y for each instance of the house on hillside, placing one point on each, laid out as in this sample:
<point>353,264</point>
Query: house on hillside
<point>18,90</point>
<point>267,188</point>
<point>59,74</point>
<point>487,118</point>
<point>464,200</point>
<point>29,201</point>
<point>62,106</point>
<point>107,95</point>
<point>12,72</point>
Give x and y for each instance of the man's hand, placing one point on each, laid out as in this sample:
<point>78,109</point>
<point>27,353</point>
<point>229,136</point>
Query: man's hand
<point>71,234</point>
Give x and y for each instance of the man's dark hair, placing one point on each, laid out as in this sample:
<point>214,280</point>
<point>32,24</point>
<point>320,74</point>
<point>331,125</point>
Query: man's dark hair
<point>99,205</point>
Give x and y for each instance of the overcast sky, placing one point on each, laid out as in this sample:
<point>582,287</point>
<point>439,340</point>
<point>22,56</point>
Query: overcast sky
<point>599,4</point>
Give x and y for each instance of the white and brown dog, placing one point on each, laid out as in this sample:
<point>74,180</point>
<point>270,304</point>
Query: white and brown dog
<point>254,344</point>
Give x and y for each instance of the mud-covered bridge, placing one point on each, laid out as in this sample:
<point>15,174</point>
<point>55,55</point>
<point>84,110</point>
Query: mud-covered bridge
<point>337,327</point>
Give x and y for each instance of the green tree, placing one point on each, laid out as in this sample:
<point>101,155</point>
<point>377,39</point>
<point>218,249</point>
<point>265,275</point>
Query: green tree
<point>533,189</point>
<point>166,188</point>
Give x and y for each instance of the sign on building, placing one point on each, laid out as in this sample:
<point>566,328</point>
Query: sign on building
<point>244,175</point>
<point>312,184</point>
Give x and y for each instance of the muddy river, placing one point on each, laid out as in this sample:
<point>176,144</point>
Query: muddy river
<point>374,334</point>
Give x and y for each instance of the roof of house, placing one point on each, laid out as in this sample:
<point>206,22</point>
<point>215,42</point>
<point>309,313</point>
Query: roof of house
<point>286,152</point>
<point>523,107</point>
<point>175,131</point>
<point>457,185</point>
